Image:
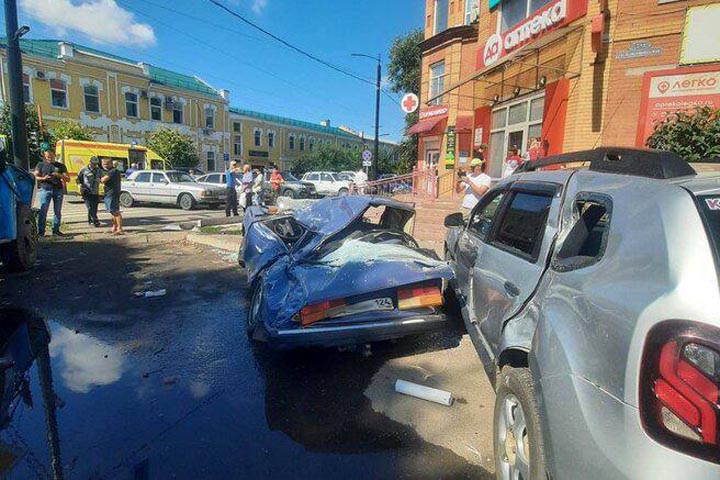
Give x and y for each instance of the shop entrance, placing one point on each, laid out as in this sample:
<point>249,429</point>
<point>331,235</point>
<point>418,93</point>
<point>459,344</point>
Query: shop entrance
<point>517,123</point>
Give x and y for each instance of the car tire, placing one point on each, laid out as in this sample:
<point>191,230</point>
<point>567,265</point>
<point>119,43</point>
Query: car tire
<point>20,255</point>
<point>343,192</point>
<point>186,201</point>
<point>253,319</point>
<point>126,200</point>
<point>517,430</point>
<point>288,192</point>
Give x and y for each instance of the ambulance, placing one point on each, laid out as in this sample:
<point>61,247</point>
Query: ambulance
<point>75,154</point>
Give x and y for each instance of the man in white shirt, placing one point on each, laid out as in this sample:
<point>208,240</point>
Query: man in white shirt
<point>475,185</point>
<point>361,179</point>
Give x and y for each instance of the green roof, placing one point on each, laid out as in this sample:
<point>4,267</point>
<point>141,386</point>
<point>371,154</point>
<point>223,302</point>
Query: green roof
<point>51,49</point>
<point>292,122</point>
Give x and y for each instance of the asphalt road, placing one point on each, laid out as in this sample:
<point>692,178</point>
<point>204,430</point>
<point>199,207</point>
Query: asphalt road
<point>170,387</point>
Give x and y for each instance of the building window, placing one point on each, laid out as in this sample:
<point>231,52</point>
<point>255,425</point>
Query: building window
<point>437,81</point>
<point>237,127</point>
<point>472,11</point>
<point>518,124</point>
<point>26,88</point>
<point>302,144</point>
<point>257,137</point>
<point>92,98</point>
<point>237,145</point>
<point>58,93</point>
<point>515,11</point>
<point>271,139</point>
<point>312,144</point>
<point>441,16</point>
<point>210,157</point>
<point>210,118</point>
<point>291,141</point>
<point>177,112</point>
<point>131,104</point>
<point>156,109</point>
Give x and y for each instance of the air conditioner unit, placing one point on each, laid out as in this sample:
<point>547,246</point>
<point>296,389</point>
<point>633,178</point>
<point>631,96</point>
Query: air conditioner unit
<point>40,75</point>
<point>144,94</point>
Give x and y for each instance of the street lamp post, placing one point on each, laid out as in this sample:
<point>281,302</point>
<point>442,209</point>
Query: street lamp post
<point>376,147</point>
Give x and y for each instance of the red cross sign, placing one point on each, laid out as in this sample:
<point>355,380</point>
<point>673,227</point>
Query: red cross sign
<point>410,102</point>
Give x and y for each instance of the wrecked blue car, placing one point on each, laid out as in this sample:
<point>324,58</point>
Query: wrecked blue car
<point>340,271</point>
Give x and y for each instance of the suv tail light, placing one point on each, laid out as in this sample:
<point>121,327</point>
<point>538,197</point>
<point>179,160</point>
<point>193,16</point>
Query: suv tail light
<point>680,387</point>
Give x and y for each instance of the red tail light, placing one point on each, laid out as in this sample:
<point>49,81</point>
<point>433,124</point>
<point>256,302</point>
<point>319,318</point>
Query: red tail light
<point>680,388</point>
<point>419,296</point>
<point>317,311</point>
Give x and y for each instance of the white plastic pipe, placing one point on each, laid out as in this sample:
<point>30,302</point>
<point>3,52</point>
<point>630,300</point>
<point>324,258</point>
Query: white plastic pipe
<point>425,393</point>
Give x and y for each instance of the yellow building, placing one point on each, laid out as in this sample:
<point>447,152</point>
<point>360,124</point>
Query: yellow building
<point>122,100</point>
<point>261,139</point>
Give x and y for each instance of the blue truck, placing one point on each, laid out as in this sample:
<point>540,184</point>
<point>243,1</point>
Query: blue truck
<point>18,227</point>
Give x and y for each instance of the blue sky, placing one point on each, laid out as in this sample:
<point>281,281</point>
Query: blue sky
<point>196,37</point>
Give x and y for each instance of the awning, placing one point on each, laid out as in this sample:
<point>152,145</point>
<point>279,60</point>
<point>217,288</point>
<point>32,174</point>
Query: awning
<point>424,126</point>
<point>464,124</point>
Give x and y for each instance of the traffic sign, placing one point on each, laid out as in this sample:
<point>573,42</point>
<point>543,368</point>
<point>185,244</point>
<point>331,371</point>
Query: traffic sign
<point>367,163</point>
<point>410,102</point>
<point>226,157</point>
<point>366,156</point>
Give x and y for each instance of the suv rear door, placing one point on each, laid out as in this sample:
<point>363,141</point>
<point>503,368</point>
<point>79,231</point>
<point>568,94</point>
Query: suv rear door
<point>513,257</point>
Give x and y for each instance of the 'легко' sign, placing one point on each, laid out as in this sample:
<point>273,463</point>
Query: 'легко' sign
<point>552,16</point>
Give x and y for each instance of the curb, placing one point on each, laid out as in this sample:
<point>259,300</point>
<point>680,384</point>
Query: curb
<point>211,222</point>
<point>226,243</point>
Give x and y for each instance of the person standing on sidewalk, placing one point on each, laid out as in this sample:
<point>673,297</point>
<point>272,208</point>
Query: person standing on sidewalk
<point>247,182</point>
<point>475,185</point>
<point>111,180</point>
<point>231,181</point>
<point>50,175</point>
<point>89,179</point>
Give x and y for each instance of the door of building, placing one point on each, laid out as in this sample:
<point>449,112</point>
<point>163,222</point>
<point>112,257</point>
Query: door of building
<point>432,158</point>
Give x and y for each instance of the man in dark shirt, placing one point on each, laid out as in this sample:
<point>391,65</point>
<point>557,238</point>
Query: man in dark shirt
<point>50,176</point>
<point>111,180</point>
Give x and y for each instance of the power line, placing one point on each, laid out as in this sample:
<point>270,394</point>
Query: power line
<point>290,45</point>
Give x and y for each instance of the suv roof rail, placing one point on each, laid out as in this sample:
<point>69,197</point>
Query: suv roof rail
<point>639,162</point>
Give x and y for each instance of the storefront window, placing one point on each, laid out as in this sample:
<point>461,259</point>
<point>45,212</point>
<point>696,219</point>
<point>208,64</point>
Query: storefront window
<point>522,129</point>
<point>499,118</point>
<point>537,107</point>
<point>518,113</point>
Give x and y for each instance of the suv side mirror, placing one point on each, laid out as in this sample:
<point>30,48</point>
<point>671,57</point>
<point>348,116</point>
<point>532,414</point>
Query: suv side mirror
<point>454,220</point>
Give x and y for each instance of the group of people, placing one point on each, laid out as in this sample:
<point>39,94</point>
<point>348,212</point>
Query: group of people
<point>52,176</point>
<point>250,183</point>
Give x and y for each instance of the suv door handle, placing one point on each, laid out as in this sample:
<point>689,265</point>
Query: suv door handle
<point>512,289</point>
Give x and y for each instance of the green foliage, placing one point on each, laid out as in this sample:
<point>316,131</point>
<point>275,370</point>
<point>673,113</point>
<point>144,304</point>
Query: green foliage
<point>175,147</point>
<point>35,136</point>
<point>71,130</point>
<point>694,135</point>
<point>332,158</point>
<point>404,72</point>
<point>406,63</point>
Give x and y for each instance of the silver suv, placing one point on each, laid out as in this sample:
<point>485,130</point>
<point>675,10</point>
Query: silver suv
<point>592,297</point>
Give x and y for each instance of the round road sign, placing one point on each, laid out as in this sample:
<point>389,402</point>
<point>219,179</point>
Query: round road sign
<point>367,155</point>
<point>410,102</point>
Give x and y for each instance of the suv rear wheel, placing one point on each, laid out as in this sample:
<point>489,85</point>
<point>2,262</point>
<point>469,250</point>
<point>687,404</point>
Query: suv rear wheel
<point>518,441</point>
<point>288,192</point>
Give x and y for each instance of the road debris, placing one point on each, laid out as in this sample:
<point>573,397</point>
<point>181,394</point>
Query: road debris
<point>152,293</point>
<point>424,393</point>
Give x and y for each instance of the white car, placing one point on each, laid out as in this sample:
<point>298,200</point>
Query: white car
<point>327,183</point>
<point>170,187</point>
<point>216,179</point>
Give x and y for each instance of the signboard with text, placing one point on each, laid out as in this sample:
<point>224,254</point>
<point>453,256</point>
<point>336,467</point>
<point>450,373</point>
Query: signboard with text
<point>450,148</point>
<point>433,112</point>
<point>670,91</point>
<point>552,16</point>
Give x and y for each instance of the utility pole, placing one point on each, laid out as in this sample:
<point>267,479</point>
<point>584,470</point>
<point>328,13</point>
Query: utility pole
<point>17,100</point>
<point>373,168</point>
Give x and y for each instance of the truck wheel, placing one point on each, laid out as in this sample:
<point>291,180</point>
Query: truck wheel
<point>21,254</point>
<point>518,440</point>
<point>126,200</point>
<point>288,192</point>
<point>343,192</point>
<point>186,201</point>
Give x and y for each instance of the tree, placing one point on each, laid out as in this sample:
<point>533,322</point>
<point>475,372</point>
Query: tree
<point>327,157</point>
<point>71,130</point>
<point>693,135</point>
<point>404,72</point>
<point>35,135</point>
<point>175,147</point>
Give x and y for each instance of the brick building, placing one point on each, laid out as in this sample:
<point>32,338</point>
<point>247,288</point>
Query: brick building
<point>553,76</point>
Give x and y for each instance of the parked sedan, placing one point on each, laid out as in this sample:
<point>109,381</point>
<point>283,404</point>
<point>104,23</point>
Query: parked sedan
<point>169,187</point>
<point>592,298</point>
<point>328,275</point>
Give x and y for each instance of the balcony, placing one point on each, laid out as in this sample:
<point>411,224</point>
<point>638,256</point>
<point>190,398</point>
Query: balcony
<point>462,32</point>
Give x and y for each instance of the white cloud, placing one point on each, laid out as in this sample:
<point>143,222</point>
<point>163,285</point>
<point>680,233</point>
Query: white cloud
<point>103,21</point>
<point>259,5</point>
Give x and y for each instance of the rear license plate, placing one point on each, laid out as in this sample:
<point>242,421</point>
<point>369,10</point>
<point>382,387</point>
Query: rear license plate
<point>376,304</point>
